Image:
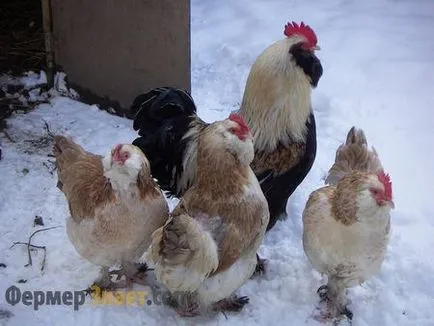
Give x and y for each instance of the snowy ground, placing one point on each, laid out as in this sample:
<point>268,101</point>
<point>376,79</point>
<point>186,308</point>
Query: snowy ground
<point>378,62</point>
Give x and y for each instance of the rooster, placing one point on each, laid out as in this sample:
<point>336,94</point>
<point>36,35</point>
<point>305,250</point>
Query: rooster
<point>346,226</point>
<point>276,106</point>
<point>207,248</point>
<point>114,206</point>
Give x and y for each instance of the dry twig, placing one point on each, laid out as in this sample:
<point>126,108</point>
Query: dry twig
<point>47,129</point>
<point>29,246</point>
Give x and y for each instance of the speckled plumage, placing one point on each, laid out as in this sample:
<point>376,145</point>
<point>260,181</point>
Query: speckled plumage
<point>114,209</point>
<point>208,247</point>
<point>346,230</point>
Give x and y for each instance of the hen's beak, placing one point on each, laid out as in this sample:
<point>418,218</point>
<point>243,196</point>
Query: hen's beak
<point>389,203</point>
<point>316,48</point>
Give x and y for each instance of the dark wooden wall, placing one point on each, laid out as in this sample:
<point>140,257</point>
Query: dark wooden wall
<point>117,49</point>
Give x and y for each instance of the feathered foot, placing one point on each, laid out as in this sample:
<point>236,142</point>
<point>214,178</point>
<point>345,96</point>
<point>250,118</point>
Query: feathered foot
<point>322,292</point>
<point>260,268</point>
<point>185,305</point>
<point>134,273</point>
<point>105,283</point>
<point>334,305</point>
<point>233,303</point>
<point>189,311</point>
<point>138,274</point>
<point>142,267</point>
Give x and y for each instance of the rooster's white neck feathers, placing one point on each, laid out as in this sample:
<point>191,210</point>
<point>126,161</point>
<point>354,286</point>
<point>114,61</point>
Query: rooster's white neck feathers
<point>276,102</point>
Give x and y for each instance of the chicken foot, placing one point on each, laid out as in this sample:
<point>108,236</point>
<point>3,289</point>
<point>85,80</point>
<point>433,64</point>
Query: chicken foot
<point>233,303</point>
<point>105,283</point>
<point>333,297</point>
<point>134,273</point>
<point>185,304</point>
<point>260,268</point>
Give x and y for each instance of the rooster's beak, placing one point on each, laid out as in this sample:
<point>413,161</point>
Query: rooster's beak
<point>316,48</point>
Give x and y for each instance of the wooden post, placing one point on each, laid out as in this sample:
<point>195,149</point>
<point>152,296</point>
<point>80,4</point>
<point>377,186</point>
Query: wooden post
<point>47,25</point>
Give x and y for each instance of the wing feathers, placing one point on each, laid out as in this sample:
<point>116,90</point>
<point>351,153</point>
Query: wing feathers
<point>184,254</point>
<point>81,178</point>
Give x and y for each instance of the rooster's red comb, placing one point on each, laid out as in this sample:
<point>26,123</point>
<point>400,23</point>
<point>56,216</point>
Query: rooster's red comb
<point>235,117</point>
<point>385,180</point>
<point>303,30</point>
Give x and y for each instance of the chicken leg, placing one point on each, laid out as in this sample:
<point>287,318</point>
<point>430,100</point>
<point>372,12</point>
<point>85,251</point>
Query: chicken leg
<point>105,282</point>
<point>134,273</point>
<point>261,265</point>
<point>333,295</point>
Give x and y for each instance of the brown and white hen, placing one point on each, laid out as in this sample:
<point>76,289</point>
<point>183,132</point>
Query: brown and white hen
<point>114,203</point>
<point>346,226</point>
<point>207,249</point>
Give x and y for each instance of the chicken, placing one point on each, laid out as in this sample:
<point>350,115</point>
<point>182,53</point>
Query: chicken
<point>354,155</point>
<point>207,248</point>
<point>114,205</point>
<point>276,106</point>
<point>168,129</point>
<point>346,225</point>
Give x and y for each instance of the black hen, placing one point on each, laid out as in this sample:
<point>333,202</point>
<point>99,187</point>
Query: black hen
<point>167,123</point>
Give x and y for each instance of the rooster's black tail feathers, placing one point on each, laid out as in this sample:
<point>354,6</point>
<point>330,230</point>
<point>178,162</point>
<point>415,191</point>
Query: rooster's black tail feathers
<point>162,117</point>
<point>153,108</point>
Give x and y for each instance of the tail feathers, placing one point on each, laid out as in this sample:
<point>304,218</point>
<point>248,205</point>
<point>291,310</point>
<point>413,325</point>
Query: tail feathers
<point>356,136</point>
<point>153,108</point>
<point>183,253</point>
<point>354,155</point>
<point>66,152</point>
<point>164,117</point>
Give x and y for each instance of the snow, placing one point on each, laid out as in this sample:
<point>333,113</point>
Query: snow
<point>378,62</point>
<point>29,80</point>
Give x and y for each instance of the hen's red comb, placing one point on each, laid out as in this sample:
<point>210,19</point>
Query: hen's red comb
<point>235,117</point>
<point>385,180</point>
<point>303,30</point>
<point>117,148</point>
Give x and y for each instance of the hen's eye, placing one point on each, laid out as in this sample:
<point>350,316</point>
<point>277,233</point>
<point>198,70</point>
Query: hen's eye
<point>232,130</point>
<point>375,192</point>
<point>126,155</point>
